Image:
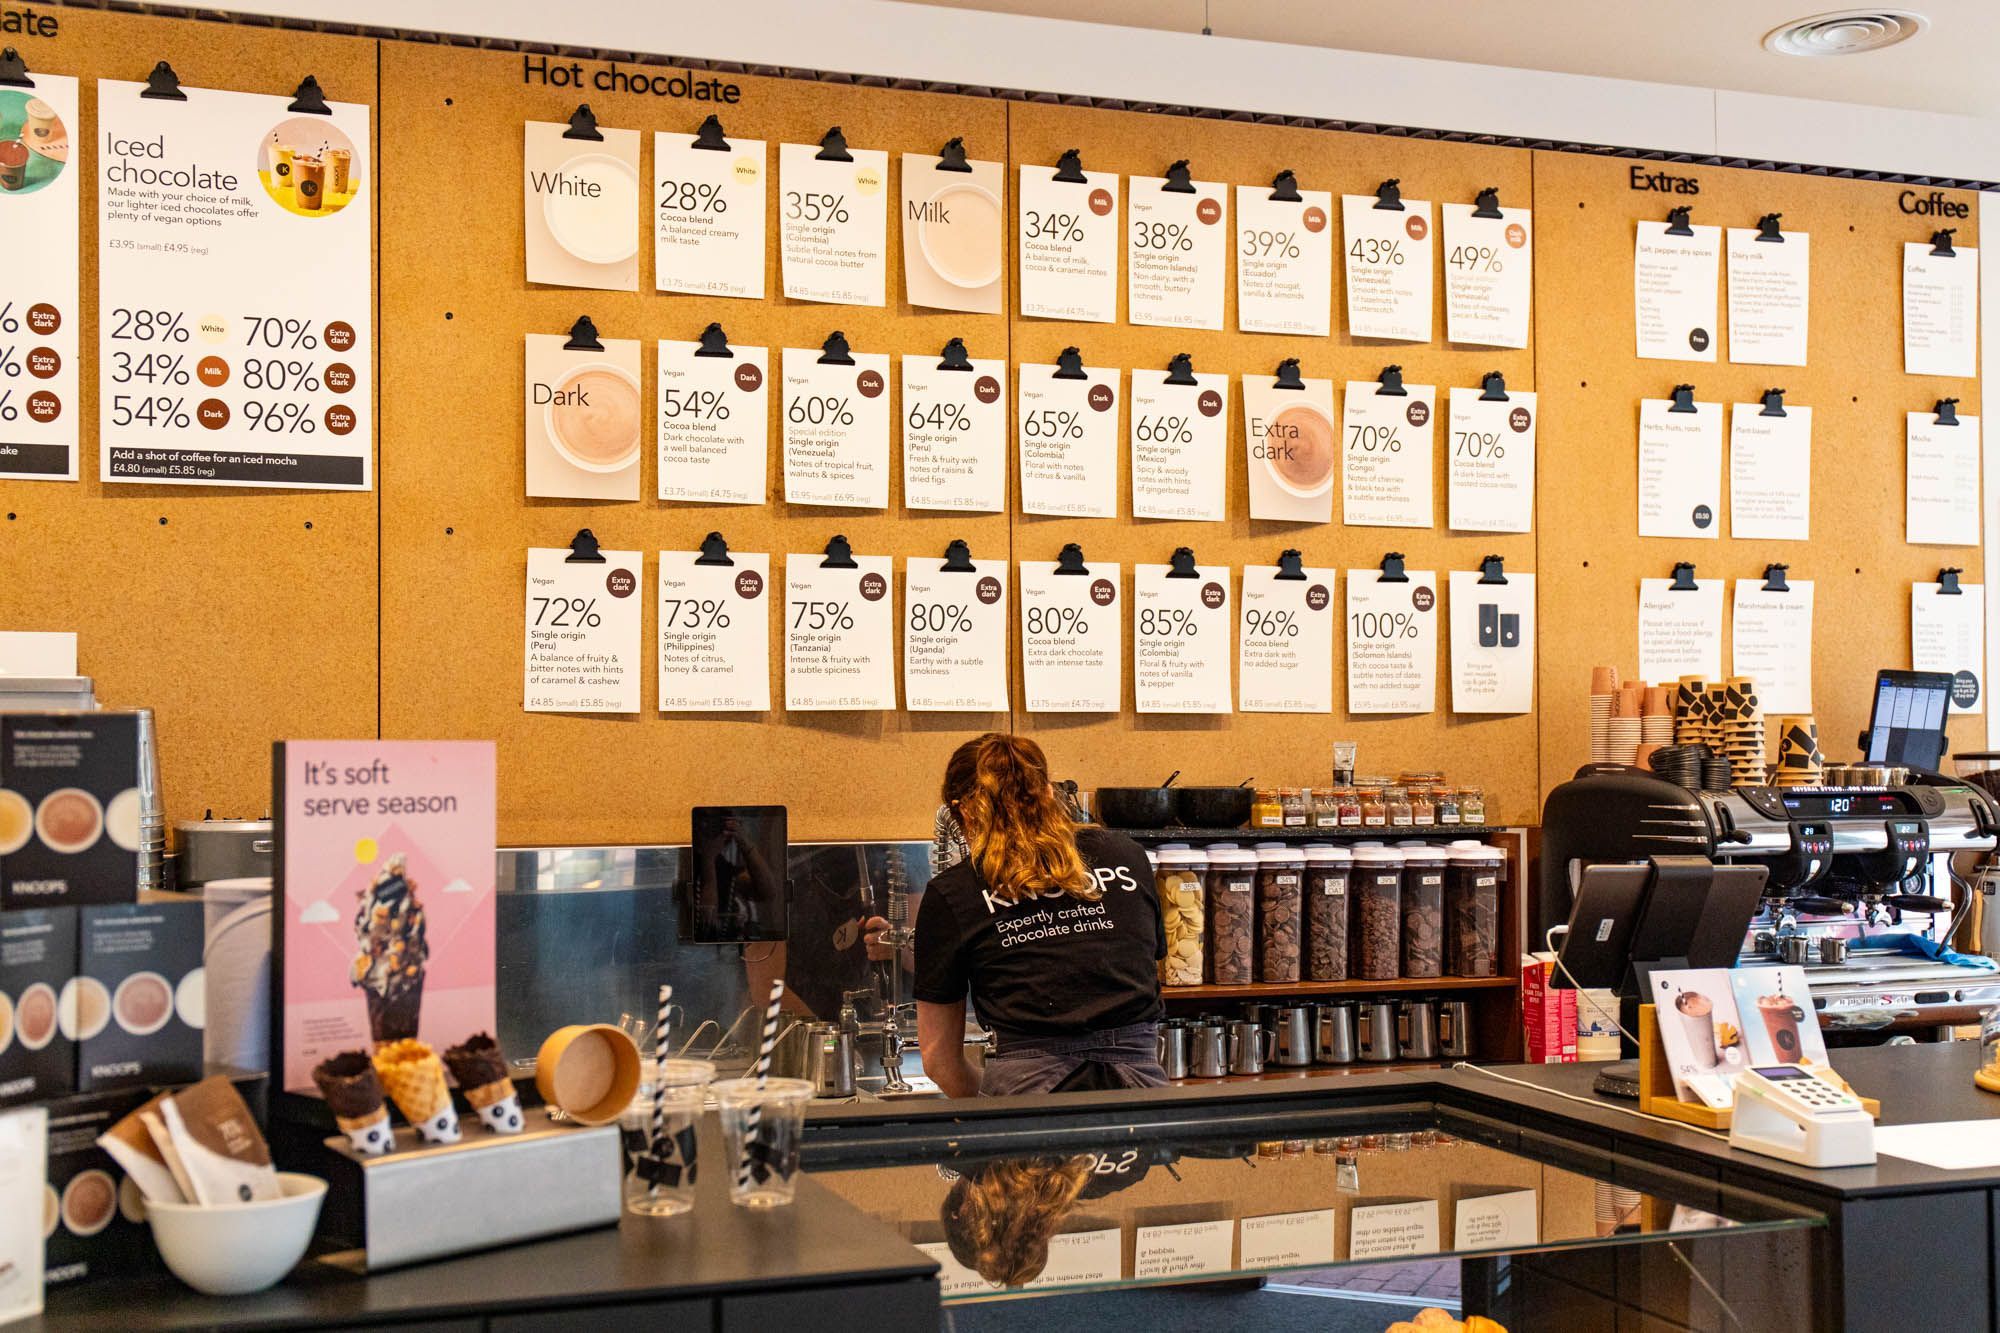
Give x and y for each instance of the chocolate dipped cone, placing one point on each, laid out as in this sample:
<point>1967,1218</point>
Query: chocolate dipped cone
<point>481,1073</point>
<point>354,1095</point>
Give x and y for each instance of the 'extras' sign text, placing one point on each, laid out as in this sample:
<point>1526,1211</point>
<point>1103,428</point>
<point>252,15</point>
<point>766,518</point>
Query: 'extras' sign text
<point>1659,182</point>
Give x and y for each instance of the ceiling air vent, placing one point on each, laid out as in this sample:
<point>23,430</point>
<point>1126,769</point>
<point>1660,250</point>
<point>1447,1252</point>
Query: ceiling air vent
<point>1845,32</point>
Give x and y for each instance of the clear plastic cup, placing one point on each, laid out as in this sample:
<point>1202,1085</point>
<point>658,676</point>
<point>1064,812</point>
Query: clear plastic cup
<point>761,1132</point>
<point>661,1172</point>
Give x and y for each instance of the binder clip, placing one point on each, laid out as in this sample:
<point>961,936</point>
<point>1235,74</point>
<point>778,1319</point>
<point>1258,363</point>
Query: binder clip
<point>714,342</point>
<point>583,336</point>
<point>833,147</point>
<point>1683,398</point>
<point>1493,387</point>
<point>1070,560</point>
<point>1774,578</point>
<point>1677,220</point>
<point>1285,188</point>
<point>583,549</point>
<point>1069,168</point>
<point>1767,228</point>
<point>1487,203</point>
<point>309,100</point>
<point>1389,195</point>
<point>958,558</point>
<point>1069,366</point>
<point>834,351</point>
<point>163,84</point>
<point>1390,383</point>
<point>1774,403</point>
<point>1288,375</point>
<point>954,357</point>
<point>1492,569</point>
<point>583,124</point>
<point>1683,578</point>
<point>1948,583</point>
<point>714,551</point>
<point>709,136</point>
<point>839,555</point>
<point>1392,569</point>
<point>1180,370</point>
<point>951,157</point>
<point>1181,564</point>
<point>1291,566</point>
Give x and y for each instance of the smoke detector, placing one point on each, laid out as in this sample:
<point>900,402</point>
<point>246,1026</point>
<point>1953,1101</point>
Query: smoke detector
<point>1845,32</point>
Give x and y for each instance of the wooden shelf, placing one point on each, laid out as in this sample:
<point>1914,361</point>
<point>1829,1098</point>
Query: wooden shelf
<point>1404,985</point>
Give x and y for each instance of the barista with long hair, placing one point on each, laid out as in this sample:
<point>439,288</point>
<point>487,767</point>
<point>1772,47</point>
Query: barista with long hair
<point>1051,930</point>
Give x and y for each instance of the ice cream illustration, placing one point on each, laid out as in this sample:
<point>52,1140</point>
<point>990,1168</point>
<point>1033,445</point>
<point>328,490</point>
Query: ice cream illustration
<point>389,962</point>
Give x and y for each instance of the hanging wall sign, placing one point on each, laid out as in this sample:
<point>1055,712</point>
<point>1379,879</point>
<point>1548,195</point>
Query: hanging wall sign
<point>714,423</point>
<point>954,224</point>
<point>1673,287</point>
<point>1680,468</point>
<point>580,198</point>
<point>833,220</point>
<point>1490,470</point>
<point>1770,641</point>
<point>708,216</point>
<point>715,633</point>
<point>261,331</point>
<point>1389,259</point>
<point>582,419</point>
<point>1180,638</point>
<point>840,634</point>
<point>1293,449</point>
<point>1284,260</point>
<point>1940,310</point>
<point>1284,661</point>
<point>1071,638</point>
<point>1680,629</point>
<point>40,407</point>
<point>1948,633</point>
<point>1488,273</point>
<point>1391,642</point>
<point>1770,298</point>
<point>1941,480</point>
<point>1068,430</point>
<point>1069,237</point>
<point>582,633</point>
<point>1385,459</point>
<point>1180,445</point>
<point>1177,247</point>
<point>954,637</point>
<point>954,426</point>
<point>836,428</point>
<point>1492,643</point>
<point>1770,479</point>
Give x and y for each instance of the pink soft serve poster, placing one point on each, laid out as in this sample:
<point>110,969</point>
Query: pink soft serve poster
<point>385,880</point>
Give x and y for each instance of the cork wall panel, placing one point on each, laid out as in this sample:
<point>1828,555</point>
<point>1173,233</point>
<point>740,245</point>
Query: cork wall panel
<point>1586,211</point>
<point>456,526</point>
<point>240,616</point>
<point>1497,752</point>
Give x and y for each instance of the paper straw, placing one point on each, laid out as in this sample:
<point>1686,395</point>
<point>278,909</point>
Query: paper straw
<point>765,1046</point>
<point>659,1146</point>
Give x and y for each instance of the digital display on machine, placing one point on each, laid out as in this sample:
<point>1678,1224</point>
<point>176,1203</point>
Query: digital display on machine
<point>1846,805</point>
<point>1779,1073</point>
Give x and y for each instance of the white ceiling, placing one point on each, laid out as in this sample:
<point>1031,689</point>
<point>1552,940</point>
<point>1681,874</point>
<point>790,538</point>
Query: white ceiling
<point>1707,43</point>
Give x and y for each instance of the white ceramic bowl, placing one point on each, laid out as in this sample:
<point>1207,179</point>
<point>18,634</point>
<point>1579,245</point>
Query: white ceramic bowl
<point>242,1247</point>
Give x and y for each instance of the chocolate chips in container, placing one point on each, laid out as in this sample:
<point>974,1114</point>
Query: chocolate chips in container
<point>1329,871</point>
<point>1232,915</point>
<point>1377,887</point>
<point>1280,900</point>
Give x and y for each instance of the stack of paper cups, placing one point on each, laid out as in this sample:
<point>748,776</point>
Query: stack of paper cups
<point>1603,696</point>
<point>1691,705</point>
<point>1799,763</point>
<point>1656,716</point>
<point>1622,732</point>
<point>1742,720</point>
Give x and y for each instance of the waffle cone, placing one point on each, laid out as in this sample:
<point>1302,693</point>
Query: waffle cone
<point>350,1124</point>
<point>486,1094</point>
<point>413,1076</point>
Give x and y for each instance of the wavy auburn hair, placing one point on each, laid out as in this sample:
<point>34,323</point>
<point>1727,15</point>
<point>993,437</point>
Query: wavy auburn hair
<point>1021,838</point>
<point>998,1219</point>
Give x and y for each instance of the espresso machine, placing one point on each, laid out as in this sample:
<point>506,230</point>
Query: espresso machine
<point>1847,861</point>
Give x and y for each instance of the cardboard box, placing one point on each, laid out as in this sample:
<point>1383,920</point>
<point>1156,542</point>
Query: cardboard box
<point>24,1138</point>
<point>1548,1015</point>
<point>139,1003</point>
<point>69,809</point>
<point>93,1219</point>
<point>38,954</point>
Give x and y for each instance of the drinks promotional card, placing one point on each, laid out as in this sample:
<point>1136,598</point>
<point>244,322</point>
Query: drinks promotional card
<point>955,434</point>
<point>1177,248</point>
<point>384,920</point>
<point>1180,446</point>
<point>1284,261</point>
<point>1284,660</point>
<point>715,633</point>
<point>954,217</point>
<point>1780,1026</point>
<point>1180,639</point>
<point>1492,643</point>
<point>39,167</point>
<point>71,826</point>
<point>709,216</point>
<point>1292,445</point>
<point>1390,253</point>
<point>582,419</point>
<point>582,649</point>
<point>139,1002</point>
<point>840,634</point>
<point>581,203</point>
<point>1071,633</point>
<point>1069,242</point>
<point>1488,274</point>
<point>836,428</point>
<point>1697,1016</point>
<point>833,222</point>
<point>1385,468</point>
<point>38,957</point>
<point>714,423</point>
<point>235,271</point>
<point>1068,441</point>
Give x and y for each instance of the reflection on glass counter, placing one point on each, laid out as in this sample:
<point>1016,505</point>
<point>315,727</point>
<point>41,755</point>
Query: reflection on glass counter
<point>1534,1244</point>
<point>587,934</point>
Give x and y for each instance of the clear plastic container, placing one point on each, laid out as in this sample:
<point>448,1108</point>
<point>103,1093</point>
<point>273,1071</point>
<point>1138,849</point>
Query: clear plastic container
<point>1180,877</point>
<point>1232,914</point>
<point>1328,908</point>
<point>1280,904</point>
<point>1423,911</point>
<point>1472,911</point>
<point>1377,886</point>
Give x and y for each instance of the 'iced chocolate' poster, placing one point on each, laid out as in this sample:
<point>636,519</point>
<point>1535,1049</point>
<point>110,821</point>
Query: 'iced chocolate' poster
<point>38,283</point>
<point>235,324</point>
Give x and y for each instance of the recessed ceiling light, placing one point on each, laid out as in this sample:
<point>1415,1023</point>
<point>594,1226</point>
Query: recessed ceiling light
<point>1845,32</point>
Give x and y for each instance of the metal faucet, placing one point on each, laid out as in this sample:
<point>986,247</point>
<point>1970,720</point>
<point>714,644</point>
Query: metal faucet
<point>892,1052</point>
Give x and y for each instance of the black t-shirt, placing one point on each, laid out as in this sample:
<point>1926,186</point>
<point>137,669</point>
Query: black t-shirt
<point>1048,966</point>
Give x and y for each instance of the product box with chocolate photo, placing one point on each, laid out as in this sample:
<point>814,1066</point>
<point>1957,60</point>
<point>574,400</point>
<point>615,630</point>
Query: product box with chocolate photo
<point>1696,1013</point>
<point>69,809</point>
<point>93,1216</point>
<point>37,964</point>
<point>139,1001</point>
<point>24,1137</point>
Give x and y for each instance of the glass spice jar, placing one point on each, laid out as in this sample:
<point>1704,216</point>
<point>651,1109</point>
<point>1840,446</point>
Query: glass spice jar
<point>1472,806</point>
<point>1397,799</point>
<point>1266,811</point>
<point>1446,800</point>
<point>1374,809</point>
<point>1349,802</point>
<point>1423,808</point>
<point>1294,804</point>
<point>1326,809</point>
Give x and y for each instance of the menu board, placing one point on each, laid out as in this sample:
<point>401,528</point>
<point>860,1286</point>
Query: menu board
<point>1068,239</point>
<point>954,637</point>
<point>1673,290</point>
<point>1488,274</point>
<point>1068,427</point>
<point>580,199</point>
<point>1178,247</point>
<point>1680,469</point>
<point>714,423</point>
<point>955,434</point>
<point>1490,470</point>
<point>1284,657</point>
<point>1180,445</point>
<point>715,633</point>
<point>1390,253</point>
<point>708,216</point>
<point>840,633</point>
<point>833,223</point>
<point>1180,639</point>
<point>582,633</point>
<point>1392,642</point>
<point>234,270</point>
<point>40,407</point>
<point>1071,627</point>
<point>1940,310</point>
<point>1385,468</point>
<point>836,429</point>
<point>1284,261</point>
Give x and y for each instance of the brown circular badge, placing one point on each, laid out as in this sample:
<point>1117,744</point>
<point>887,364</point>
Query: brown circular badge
<point>1517,235</point>
<point>1103,592</point>
<point>43,318</point>
<point>749,585</point>
<point>1101,397</point>
<point>1419,412</point>
<point>212,371</point>
<point>43,406</point>
<point>1417,227</point>
<point>1423,598</point>
<point>1318,598</point>
<point>987,590</point>
<point>339,419</point>
<point>748,378</point>
<point>340,336</point>
<point>44,362</point>
<point>1518,420</point>
<point>1314,219</point>
<point>339,376</point>
<point>1208,402</point>
<point>986,389</point>
<point>1208,211</point>
<point>212,413</point>
<point>1100,201</point>
<point>620,583</point>
<point>873,587</point>
<point>869,382</point>
<point>1213,596</point>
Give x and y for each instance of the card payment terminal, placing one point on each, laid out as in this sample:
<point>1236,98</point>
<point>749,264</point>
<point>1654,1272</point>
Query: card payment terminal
<point>1787,1112</point>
